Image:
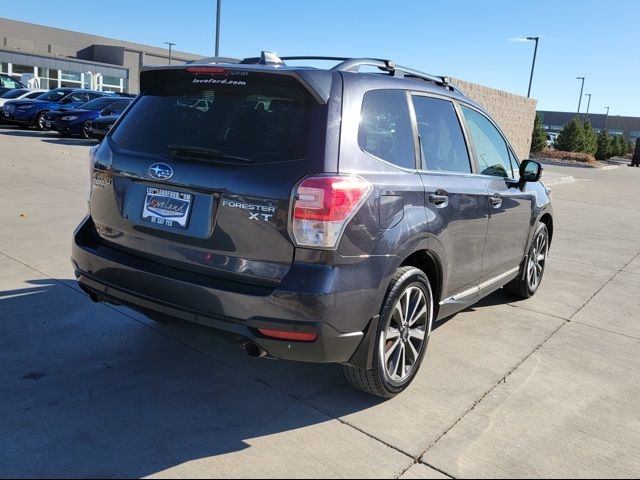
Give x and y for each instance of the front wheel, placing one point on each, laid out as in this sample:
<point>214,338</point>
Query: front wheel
<point>40,121</point>
<point>533,266</point>
<point>85,130</point>
<point>402,336</point>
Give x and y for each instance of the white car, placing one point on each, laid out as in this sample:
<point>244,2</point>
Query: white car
<point>21,94</point>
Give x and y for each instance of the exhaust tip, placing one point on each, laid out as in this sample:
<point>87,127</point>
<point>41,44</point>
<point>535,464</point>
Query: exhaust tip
<point>92,295</point>
<point>253,350</point>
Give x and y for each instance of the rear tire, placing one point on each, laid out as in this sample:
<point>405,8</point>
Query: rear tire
<point>526,284</point>
<point>402,336</point>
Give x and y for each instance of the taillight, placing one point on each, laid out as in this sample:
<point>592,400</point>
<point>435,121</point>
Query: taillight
<point>323,206</point>
<point>100,156</point>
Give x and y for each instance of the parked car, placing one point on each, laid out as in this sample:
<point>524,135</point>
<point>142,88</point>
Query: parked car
<point>317,215</point>
<point>18,94</point>
<point>30,113</point>
<point>8,83</point>
<point>77,121</point>
<point>551,139</point>
<point>98,128</point>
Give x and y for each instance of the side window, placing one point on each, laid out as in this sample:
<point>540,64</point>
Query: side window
<point>491,149</point>
<point>119,107</point>
<point>385,127</point>
<point>442,143</point>
<point>78,97</point>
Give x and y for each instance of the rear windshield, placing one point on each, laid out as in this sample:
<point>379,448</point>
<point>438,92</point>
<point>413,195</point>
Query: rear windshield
<point>262,118</point>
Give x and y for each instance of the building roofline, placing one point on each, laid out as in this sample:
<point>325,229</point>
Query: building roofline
<point>138,47</point>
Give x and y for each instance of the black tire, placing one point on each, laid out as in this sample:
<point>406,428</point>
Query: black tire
<point>523,286</point>
<point>406,284</point>
<point>39,121</point>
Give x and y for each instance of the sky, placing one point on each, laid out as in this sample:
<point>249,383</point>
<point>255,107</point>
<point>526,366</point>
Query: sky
<point>473,40</point>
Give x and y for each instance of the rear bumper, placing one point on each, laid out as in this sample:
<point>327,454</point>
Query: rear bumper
<point>311,299</point>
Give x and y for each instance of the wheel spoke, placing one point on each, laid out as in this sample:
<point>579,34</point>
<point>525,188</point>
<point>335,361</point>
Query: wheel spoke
<point>403,362</point>
<point>392,333</point>
<point>395,363</point>
<point>418,316</point>
<point>398,309</point>
<point>407,300</point>
<point>390,351</point>
<point>414,352</point>
<point>418,302</point>
<point>417,333</point>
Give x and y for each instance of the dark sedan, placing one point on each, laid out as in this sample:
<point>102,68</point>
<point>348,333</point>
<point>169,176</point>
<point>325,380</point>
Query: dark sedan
<point>99,128</point>
<point>30,113</point>
<point>77,121</point>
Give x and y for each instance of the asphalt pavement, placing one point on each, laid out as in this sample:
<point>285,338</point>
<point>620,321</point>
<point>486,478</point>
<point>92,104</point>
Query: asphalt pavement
<point>547,387</point>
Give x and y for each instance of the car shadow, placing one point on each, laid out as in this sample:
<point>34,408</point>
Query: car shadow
<point>89,391</point>
<point>499,297</point>
<point>29,133</point>
<point>73,142</point>
<point>50,137</point>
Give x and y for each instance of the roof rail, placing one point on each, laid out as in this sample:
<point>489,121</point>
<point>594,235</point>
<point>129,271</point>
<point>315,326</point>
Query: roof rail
<point>346,65</point>
<point>354,64</point>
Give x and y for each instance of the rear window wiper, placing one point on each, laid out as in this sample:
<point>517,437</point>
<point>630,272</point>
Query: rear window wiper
<point>204,152</point>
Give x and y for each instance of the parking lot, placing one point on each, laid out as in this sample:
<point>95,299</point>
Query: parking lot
<point>540,388</point>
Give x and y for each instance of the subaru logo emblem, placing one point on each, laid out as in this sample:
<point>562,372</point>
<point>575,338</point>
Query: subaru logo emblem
<point>161,171</point>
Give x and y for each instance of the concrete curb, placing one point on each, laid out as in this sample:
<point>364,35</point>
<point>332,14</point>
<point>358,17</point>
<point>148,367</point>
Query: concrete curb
<point>559,181</point>
<point>577,165</point>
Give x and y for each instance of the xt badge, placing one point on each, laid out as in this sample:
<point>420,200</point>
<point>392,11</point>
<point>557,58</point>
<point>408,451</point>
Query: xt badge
<point>259,213</point>
<point>260,216</point>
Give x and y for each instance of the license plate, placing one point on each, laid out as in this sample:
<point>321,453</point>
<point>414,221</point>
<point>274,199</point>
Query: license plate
<point>6,114</point>
<point>167,208</point>
<point>47,124</point>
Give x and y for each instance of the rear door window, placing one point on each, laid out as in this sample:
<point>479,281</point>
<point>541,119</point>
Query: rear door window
<point>258,117</point>
<point>442,143</point>
<point>385,127</point>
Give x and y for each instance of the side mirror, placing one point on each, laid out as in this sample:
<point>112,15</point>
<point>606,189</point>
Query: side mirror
<point>530,171</point>
<point>107,112</point>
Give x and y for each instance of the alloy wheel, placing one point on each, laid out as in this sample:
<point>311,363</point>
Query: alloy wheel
<point>535,267</point>
<point>405,335</point>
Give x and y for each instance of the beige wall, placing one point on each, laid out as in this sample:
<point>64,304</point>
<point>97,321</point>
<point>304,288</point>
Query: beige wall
<point>514,114</point>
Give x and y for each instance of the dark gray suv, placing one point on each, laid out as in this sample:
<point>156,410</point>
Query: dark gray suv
<point>315,215</point>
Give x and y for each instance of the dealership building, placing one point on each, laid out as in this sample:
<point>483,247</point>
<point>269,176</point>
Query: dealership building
<point>52,58</point>
<point>629,127</point>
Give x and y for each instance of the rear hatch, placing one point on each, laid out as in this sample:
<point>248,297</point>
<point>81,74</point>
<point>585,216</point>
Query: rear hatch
<point>199,172</point>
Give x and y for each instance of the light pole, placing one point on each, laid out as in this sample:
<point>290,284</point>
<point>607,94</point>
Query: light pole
<point>588,105</point>
<point>171,45</point>
<point>606,119</point>
<point>219,7</point>
<point>581,92</point>
<point>533,66</point>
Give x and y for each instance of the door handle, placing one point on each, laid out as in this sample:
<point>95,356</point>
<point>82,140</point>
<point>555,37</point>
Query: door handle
<point>439,199</point>
<point>495,201</point>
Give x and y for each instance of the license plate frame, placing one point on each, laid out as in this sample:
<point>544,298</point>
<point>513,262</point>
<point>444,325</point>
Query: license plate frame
<point>167,208</point>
